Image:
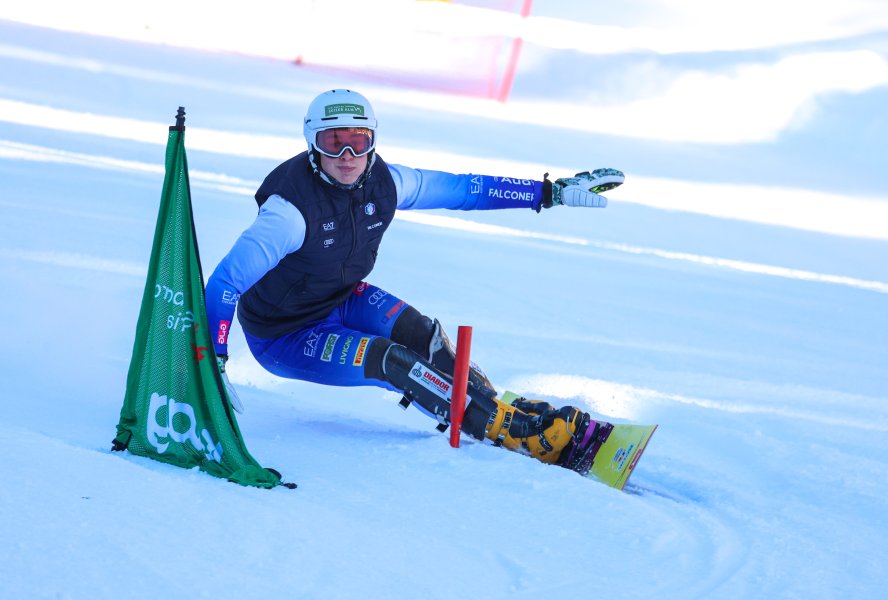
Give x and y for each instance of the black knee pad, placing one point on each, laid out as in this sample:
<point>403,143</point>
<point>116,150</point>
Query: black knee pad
<point>413,330</point>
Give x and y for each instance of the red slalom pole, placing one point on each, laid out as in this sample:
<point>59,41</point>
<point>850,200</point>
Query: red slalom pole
<point>460,382</point>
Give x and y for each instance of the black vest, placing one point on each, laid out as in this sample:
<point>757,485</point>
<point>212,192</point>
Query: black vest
<point>342,236</point>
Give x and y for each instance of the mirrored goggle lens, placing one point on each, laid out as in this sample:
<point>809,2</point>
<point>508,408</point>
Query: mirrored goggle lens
<point>333,142</point>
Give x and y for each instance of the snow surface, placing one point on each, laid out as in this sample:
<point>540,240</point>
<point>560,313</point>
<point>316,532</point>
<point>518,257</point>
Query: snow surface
<point>756,341</point>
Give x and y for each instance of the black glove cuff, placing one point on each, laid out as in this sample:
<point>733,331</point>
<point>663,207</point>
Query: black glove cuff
<point>547,194</point>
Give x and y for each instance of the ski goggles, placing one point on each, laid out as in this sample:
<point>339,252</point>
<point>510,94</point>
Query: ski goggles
<point>333,142</point>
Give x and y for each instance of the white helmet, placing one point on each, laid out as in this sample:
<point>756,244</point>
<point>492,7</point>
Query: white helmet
<point>337,108</point>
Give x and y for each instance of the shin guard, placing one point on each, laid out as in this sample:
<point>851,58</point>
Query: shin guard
<point>431,389</point>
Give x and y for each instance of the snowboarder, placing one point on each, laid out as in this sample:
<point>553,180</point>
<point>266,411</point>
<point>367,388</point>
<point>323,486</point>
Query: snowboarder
<point>296,277</point>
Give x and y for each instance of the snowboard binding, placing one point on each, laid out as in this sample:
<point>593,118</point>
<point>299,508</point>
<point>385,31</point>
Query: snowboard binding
<point>588,439</point>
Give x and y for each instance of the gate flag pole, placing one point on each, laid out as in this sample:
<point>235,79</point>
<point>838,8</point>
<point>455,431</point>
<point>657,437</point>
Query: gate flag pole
<point>460,382</point>
<point>176,408</point>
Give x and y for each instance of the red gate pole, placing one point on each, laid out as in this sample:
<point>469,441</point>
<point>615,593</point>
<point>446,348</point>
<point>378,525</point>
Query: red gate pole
<point>460,382</point>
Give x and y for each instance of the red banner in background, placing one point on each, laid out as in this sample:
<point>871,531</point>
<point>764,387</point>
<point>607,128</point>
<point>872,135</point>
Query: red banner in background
<point>468,47</point>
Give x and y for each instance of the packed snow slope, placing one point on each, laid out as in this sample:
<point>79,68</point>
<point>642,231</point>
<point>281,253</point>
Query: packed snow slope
<point>734,292</point>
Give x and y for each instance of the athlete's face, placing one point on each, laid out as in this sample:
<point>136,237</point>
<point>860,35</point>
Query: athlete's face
<point>345,169</point>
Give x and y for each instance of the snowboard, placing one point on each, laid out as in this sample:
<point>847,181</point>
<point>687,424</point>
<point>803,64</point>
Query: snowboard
<point>618,455</point>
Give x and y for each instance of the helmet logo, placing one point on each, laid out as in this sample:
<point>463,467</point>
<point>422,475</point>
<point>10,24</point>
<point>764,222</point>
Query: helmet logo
<point>343,109</point>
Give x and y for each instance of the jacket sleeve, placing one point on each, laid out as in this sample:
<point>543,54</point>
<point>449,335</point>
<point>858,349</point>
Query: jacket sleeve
<point>278,230</point>
<point>425,189</point>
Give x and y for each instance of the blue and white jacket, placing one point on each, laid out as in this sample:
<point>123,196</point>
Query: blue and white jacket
<point>303,255</point>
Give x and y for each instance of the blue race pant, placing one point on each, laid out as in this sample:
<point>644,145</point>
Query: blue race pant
<point>332,351</point>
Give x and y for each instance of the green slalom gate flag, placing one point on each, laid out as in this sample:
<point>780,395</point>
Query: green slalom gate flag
<point>176,407</point>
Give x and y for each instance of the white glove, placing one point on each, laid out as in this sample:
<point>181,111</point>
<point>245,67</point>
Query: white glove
<point>583,189</point>
<point>233,398</point>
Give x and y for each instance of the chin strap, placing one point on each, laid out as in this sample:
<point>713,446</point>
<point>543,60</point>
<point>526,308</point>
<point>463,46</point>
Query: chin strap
<point>314,159</point>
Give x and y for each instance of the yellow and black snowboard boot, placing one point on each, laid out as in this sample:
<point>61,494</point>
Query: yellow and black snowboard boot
<point>543,432</point>
<point>567,436</point>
